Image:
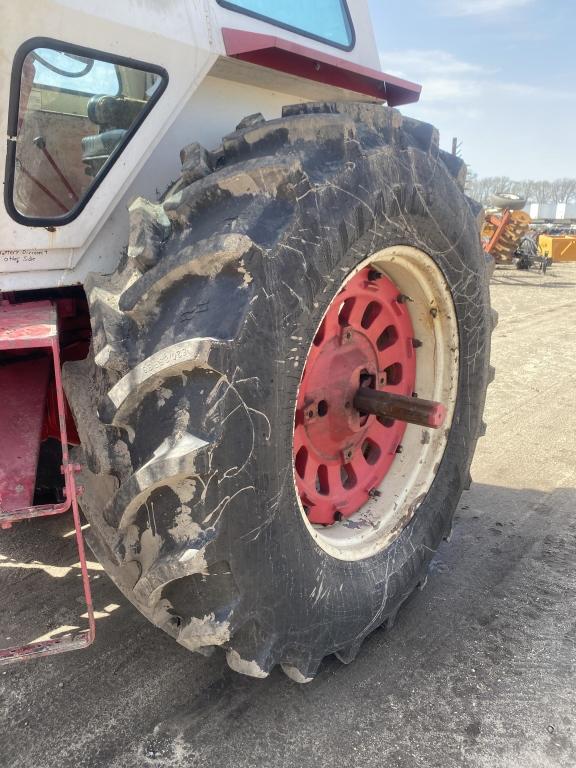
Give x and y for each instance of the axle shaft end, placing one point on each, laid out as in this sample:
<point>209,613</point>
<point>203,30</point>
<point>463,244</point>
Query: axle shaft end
<point>413,410</point>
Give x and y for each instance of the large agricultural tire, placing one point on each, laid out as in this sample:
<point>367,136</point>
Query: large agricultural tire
<point>185,407</point>
<point>508,200</point>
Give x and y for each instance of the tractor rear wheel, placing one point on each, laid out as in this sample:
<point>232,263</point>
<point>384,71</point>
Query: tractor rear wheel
<point>235,494</point>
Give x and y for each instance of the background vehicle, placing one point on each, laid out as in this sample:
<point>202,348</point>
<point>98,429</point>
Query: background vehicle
<point>528,255</point>
<point>505,225</point>
<point>275,353</point>
<point>507,237</point>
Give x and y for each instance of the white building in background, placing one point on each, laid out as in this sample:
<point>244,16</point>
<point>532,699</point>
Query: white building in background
<point>557,211</point>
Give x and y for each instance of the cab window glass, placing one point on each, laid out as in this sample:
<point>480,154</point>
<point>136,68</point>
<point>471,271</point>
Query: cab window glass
<point>325,20</point>
<point>75,113</point>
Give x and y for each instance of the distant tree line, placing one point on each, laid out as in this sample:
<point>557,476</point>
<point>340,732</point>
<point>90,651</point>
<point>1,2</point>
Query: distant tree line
<point>556,191</point>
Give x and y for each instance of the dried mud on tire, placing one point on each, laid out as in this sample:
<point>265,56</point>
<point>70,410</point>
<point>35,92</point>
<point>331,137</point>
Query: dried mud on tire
<point>198,345</point>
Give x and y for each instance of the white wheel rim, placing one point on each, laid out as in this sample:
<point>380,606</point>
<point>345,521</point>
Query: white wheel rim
<point>412,472</point>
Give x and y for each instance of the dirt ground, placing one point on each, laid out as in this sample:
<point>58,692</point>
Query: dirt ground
<point>478,671</point>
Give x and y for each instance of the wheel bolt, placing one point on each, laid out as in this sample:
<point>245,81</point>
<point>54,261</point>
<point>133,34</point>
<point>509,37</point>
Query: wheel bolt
<point>310,412</point>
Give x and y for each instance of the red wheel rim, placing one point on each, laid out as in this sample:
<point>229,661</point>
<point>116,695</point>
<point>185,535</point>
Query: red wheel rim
<point>340,455</point>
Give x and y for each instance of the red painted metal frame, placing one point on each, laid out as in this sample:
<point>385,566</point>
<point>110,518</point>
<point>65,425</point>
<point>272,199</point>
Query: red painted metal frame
<point>299,60</point>
<point>23,386</point>
<point>500,222</point>
<point>34,325</point>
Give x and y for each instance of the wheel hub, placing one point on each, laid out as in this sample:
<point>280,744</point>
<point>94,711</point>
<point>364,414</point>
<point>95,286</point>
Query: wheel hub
<point>365,341</point>
<point>331,424</point>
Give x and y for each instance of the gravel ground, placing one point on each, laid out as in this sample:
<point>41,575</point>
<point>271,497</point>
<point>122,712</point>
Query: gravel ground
<point>478,671</point>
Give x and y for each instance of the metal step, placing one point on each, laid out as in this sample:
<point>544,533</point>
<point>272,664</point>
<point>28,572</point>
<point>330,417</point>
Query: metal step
<point>23,385</point>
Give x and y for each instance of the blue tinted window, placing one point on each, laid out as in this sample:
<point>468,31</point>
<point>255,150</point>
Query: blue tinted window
<point>326,20</point>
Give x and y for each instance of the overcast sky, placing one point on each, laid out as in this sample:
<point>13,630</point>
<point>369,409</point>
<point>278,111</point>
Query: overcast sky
<point>498,74</point>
